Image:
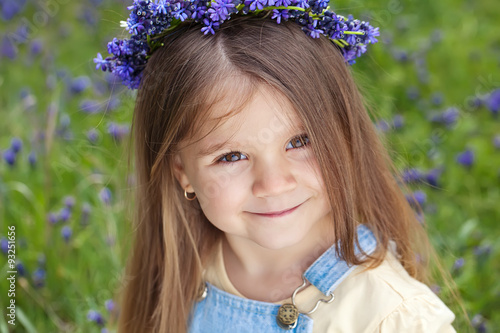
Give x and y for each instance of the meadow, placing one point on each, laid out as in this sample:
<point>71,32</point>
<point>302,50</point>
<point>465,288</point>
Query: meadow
<point>432,82</point>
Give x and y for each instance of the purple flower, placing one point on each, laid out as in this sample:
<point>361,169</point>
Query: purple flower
<point>397,121</point>
<point>36,47</point>
<point>9,156</point>
<point>279,14</point>
<point>466,158</point>
<point>459,263</point>
<point>118,132</point>
<point>79,84</point>
<point>38,277</point>
<point>65,214</point>
<point>411,175</point>
<point>66,233</point>
<point>257,4</point>
<point>417,198</point>
<point>450,116</point>
<point>161,7</point>
<point>4,245</point>
<point>92,135</point>
<point>105,195</point>
<point>20,268</point>
<point>32,158</point>
<point>69,201</point>
<point>209,27</point>
<point>96,317</point>
<point>220,10</point>
<point>432,177</point>
<point>493,102</point>
<point>86,209</point>
<point>110,305</point>
<point>90,106</point>
<point>382,125</point>
<point>11,8</point>
<point>101,63</point>
<point>496,141</point>
<point>8,48</point>
<point>16,144</point>
<point>52,218</point>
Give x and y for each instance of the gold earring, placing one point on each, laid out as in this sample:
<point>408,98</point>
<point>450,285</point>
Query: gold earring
<point>187,197</point>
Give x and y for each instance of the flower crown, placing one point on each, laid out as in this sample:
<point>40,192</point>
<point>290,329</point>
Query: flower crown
<point>149,20</point>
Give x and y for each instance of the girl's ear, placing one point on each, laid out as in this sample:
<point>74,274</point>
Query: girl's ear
<point>180,173</point>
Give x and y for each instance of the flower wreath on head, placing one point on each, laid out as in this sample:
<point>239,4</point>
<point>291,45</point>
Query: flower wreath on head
<point>150,20</point>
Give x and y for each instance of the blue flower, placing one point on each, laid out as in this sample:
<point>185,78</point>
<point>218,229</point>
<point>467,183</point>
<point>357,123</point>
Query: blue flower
<point>4,245</point>
<point>38,277</point>
<point>101,63</point>
<point>69,201</point>
<point>16,144</point>
<point>110,305</point>
<point>105,195</point>
<point>411,175</point>
<point>432,177</point>
<point>279,14</point>
<point>459,263</point>
<point>496,141</point>
<point>11,8</point>
<point>397,121</point>
<point>9,157</point>
<point>466,158</point>
<point>209,27</point>
<point>256,4</point>
<point>65,214</point>
<point>52,218</point>
<point>96,317</point>
<point>493,101</point>
<point>162,7</point>
<point>179,13</point>
<point>32,158</point>
<point>92,135</point>
<point>79,84</point>
<point>66,233</point>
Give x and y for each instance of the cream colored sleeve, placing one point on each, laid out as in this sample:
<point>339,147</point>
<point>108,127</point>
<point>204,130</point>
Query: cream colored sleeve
<point>419,314</point>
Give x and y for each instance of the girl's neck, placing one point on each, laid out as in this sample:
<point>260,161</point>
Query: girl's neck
<point>271,275</point>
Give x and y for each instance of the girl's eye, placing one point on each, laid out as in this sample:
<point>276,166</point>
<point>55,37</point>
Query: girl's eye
<point>233,156</point>
<point>300,141</point>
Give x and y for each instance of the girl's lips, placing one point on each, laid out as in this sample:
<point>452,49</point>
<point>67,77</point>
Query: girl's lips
<point>278,214</point>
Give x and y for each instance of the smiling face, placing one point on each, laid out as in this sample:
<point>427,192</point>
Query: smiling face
<point>255,175</point>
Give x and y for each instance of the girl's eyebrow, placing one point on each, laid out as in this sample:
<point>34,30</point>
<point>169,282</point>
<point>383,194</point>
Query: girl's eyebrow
<point>209,150</point>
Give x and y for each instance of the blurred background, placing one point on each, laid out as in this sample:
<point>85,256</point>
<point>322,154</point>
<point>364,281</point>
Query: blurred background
<point>433,79</point>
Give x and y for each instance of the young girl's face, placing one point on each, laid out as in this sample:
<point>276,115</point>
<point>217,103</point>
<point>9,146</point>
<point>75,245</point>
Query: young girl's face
<point>256,164</point>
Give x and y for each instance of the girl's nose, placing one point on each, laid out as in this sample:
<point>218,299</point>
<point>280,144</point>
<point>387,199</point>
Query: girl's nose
<point>273,177</point>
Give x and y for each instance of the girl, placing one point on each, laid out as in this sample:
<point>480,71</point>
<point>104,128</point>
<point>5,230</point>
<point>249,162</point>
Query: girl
<point>265,200</point>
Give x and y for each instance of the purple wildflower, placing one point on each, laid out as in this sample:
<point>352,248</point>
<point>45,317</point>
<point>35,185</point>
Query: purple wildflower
<point>279,14</point>
<point>66,233</point>
<point>466,158</point>
<point>448,117</point>
<point>86,209</point>
<point>110,305</point>
<point>38,277</point>
<point>417,198</point>
<point>257,4</point>
<point>220,10</point>
<point>437,98</point>
<point>411,175</point>
<point>92,135</point>
<point>284,3</point>
<point>52,218</point>
<point>96,317</point>
<point>432,177</point>
<point>16,144</point>
<point>493,102</point>
<point>90,106</point>
<point>179,12</point>
<point>382,125</point>
<point>36,47</point>
<point>4,245</point>
<point>65,214</point>
<point>459,263</point>
<point>101,63</point>
<point>105,195</point>
<point>11,8</point>
<point>496,141</point>
<point>8,48</point>
<point>21,270</point>
<point>79,84</point>
<point>9,157</point>
<point>397,121</point>
<point>32,159</point>
<point>69,201</point>
<point>161,7</point>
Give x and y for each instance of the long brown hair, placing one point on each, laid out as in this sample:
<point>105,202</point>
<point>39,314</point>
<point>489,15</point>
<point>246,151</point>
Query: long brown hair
<point>182,80</point>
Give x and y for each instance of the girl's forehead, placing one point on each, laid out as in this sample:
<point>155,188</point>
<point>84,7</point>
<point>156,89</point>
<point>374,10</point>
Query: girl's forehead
<point>266,112</point>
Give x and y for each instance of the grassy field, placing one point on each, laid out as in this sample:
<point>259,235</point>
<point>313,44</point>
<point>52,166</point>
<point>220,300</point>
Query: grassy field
<point>434,81</point>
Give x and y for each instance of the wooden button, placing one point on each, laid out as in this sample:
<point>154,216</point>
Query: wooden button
<point>288,316</point>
